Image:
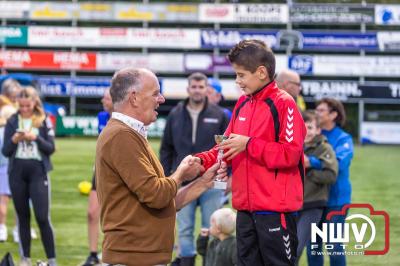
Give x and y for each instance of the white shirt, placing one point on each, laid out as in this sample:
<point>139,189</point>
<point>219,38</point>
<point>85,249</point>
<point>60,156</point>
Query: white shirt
<point>131,122</point>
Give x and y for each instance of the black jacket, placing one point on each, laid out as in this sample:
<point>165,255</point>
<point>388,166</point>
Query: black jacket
<point>177,139</point>
<point>45,142</point>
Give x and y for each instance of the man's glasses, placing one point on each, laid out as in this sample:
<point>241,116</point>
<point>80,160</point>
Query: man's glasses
<point>298,84</point>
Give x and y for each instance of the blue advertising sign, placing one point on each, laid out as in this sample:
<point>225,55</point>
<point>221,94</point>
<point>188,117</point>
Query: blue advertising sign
<point>228,38</point>
<point>60,86</point>
<point>340,41</point>
<point>302,64</point>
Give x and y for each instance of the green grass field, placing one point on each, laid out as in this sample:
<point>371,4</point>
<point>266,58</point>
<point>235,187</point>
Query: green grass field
<point>374,176</point>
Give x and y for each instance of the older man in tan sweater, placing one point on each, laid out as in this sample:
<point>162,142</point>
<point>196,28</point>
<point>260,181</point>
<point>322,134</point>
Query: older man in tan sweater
<point>138,203</point>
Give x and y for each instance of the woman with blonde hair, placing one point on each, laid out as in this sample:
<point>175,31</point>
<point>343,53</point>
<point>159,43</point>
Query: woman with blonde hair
<point>29,142</point>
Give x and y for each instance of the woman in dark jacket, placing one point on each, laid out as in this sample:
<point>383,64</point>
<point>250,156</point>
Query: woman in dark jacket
<point>29,142</point>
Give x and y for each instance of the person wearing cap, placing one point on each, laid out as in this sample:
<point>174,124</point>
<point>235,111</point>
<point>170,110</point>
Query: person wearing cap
<point>214,94</point>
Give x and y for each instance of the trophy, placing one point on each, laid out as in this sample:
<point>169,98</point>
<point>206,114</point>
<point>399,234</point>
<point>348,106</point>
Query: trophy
<point>219,184</point>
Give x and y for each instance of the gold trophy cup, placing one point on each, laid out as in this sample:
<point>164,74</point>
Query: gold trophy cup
<point>219,184</point>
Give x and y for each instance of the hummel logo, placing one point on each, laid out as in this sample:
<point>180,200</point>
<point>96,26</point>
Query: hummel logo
<point>274,229</point>
<point>289,139</point>
<point>289,132</point>
<point>286,242</point>
<point>290,111</point>
<point>286,238</point>
<point>242,118</point>
<point>289,125</point>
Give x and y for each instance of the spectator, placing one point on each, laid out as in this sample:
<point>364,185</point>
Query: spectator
<point>29,142</point>
<point>137,206</point>
<point>190,128</point>
<point>10,89</point>
<point>222,248</point>
<point>215,96</point>
<point>290,82</point>
<point>332,117</point>
<point>321,170</point>
<point>93,212</point>
<point>5,193</point>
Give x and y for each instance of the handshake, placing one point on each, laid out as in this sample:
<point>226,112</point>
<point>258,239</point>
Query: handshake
<point>191,167</point>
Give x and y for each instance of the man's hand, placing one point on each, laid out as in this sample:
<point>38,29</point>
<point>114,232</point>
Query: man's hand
<point>306,162</point>
<point>217,171</point>
<point>235,144</point>
<point>190,168</point>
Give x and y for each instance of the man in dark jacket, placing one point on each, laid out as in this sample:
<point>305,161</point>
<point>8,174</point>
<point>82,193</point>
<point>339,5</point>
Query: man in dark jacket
<point>321,171</point>
<point>190,128</point>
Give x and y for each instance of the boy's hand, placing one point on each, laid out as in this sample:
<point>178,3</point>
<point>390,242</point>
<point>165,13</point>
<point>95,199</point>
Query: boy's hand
<point>235,144</point>
<point>306,162</point>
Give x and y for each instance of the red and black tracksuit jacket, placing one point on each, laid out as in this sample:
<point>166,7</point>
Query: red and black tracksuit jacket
<point>269,174</point>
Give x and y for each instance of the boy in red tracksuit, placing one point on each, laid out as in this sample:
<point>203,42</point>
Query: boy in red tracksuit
<point>265,148</point>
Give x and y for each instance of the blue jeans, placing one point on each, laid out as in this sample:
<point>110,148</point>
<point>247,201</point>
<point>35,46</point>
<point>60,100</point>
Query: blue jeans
<point>209,202</point>
<point>335,260</point>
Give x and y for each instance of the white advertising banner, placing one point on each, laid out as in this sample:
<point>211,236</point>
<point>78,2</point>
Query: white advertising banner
<point>388,40</point>
<point>165,38</point>
<point>244,13</point>
<point>52,11</point>
<point>387,14</point>
<point>164,63</point>
<point>14,9</point>
<point>219,13</point>
<point>176,88</point>
<point>155,12</point>
<point>95,11</point>
<point>373,66</point>
<point>113,37</point>
<point>62,36</point>
<point>380,132</point>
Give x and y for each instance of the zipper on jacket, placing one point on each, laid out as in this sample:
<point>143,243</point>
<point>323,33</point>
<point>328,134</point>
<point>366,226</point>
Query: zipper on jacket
<point>247,154</point>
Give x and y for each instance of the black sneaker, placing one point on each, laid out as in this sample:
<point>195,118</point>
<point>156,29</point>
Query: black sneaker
<point>91,261</point>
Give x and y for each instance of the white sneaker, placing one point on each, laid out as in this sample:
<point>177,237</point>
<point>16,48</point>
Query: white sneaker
<point>16,235</point>
<point>25,262</point>
<point>3,232</point>
<point>33,233</point>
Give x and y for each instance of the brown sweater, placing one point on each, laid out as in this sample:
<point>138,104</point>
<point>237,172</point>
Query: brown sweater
<point>137,202</point>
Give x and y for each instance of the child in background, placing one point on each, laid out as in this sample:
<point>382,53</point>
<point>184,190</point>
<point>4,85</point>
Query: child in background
<point>321,171</point>
<point>222,248</point>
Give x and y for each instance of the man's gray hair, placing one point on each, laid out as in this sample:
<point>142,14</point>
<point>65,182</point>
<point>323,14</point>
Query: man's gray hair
<point>123,82</point>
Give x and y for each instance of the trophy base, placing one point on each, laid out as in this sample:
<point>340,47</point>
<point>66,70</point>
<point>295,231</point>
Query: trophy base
<point>220,185</point>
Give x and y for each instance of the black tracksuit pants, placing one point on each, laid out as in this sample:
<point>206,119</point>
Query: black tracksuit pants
<point>28,180</point>
<point>266,239</point>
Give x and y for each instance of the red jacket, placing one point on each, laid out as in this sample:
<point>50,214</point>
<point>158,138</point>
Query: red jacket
<point>269,174</point>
